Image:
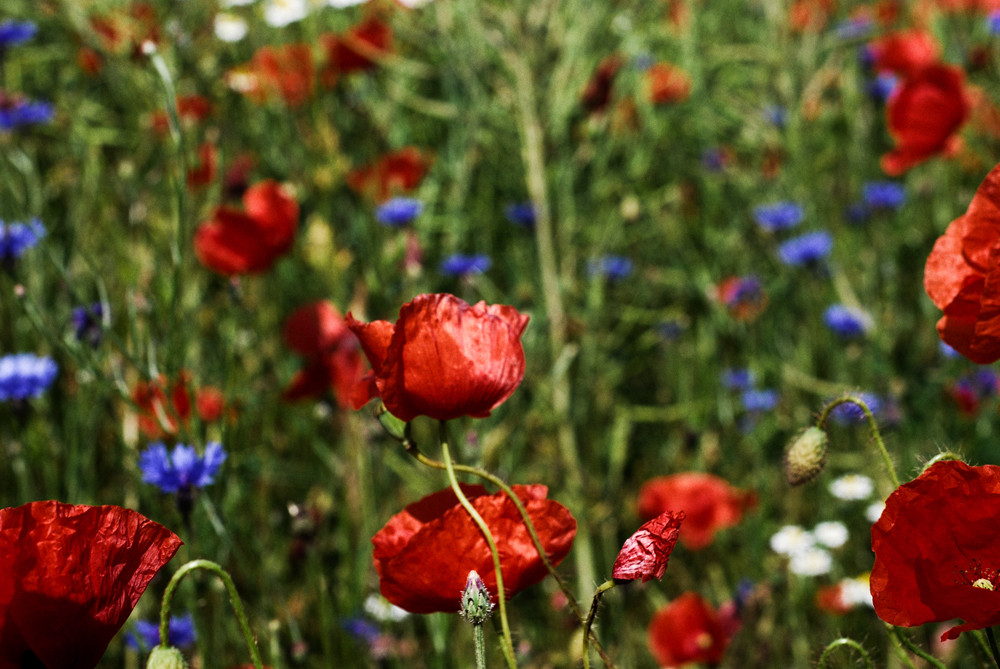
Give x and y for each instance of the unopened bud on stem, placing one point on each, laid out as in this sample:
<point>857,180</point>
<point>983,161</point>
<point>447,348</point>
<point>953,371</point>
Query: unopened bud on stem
<point>476,604</point>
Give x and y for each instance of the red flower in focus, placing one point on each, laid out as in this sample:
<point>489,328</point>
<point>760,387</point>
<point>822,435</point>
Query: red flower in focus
<point>204,173</point>
<point>285,72</point>
<point>937,549</point>
<point>157,417</point>
<point>424,554</point>
<point>904,52</point>
<point>709,504</point>
<point>394,173</point>
<point>597,94</point>
<point>69,578</point>
<point>319,333</point>
<point>685,631</point>
<point>190,109</point>
<point>250,241</point>
<point>667,83</point>
<point>645,553</point>
<point>962,276</point>
<point>444,358</point>
<point>923,114</point>
<point>357,50</point>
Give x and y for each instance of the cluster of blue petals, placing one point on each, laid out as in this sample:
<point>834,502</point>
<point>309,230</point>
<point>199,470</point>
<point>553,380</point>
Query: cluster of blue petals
<point>462,265</point>
<point>15,112</point>
<point>614,268</point>
<point>24,376</point>
<point>846,322</point>
<point>521,213</point>
<point>146,633</point>
<point>182,468</point>
<point>778,216</point>
<point>399,211</point>
<point>806,249</point>
<point>14,32</point>
<point>16,238</point>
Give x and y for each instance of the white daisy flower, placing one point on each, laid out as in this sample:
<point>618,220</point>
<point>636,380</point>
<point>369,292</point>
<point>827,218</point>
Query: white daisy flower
<point>280,13</point>
<point>792,539</point>
<point>852,486</point>
<point>229,27</point>
<point>832,533</point>
<point>874,511</point>
<point>810,562</point>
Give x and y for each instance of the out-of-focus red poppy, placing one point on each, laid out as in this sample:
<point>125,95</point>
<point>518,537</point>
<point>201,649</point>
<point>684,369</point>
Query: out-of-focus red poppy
<point>357,50</point>
<point>904,52</point>
<point>286,72</point>
<point>985,115</point>
<point>123,30</point>
<point>424,554</point>
<point>645,553</point>
<point>829,599</point>
<point>962,276</point>
<point>666,83</point>
<point>249,241</point>
<point>157,417</point>
<point>709,504</point>
<point>597,93</point>
<point>89,60</point>
<point>810,15</point>
<point>743,297</point>
<point>392,174</point>
<point>236,178</point>
<point>967,5</point>
<point>686,631</point>
<point>319,333</point>
<point>69,578</point>
<point>937,549</point>
<point>444,358</point>
<point>190,109</point>
<point>203,173</point>
<point>923,114</point>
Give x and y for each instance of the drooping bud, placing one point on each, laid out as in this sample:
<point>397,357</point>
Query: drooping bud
<point>806,456</point>
<point>166,657</point>
<point>476,604</point>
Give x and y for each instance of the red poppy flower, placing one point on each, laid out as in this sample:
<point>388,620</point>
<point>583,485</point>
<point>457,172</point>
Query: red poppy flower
<point>394,173</point>
<point>904,52</point>
<point>962,276</point>
<point>444,358</point>
<point>645,553</point>
<point>333,357</point>
<point>157,418</point>
<point>937,549</point>
<point>69,578</point>
<point>424,554</point>
<point>809,15</point>
<point>286,72</point>
<point>709,504</point>
<point>597,94</point>
<point>667,83</point>
<point>357,50</point>
<point>125,29</point>
<point>923,114</point>
<point>685,631</point>
<point>250,241</point>
<point>190,109</point>
<point>204,173</point>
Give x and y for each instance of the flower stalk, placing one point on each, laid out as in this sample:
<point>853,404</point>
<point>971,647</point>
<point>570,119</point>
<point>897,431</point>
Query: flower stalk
<point>589,624</point>
<point>841,643</point>
<point>876,434</point>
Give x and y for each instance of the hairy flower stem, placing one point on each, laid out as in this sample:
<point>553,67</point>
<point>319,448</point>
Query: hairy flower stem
<point>480,642</point>
<point>840,643</point>
<point>234,600</point>
<point>507,644</point>
<point>589,624</point>
<point>993,646</point>
<point>876,434</point>
<point>904,642</point>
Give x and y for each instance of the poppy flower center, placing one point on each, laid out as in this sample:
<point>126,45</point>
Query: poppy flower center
<point>979,576</point>
<point>982,583</point>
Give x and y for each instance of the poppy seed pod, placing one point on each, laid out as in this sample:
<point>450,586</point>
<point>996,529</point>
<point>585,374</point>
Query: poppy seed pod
<point>806,456</point>
<point>166,657</point>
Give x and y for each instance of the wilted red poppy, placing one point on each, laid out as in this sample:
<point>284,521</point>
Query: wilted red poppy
<point>319,333</point>
<point>905,52</point>
<point>394,173</point>
<point>667,83</point>
<point>285,72</point>
<point>250,241</point>
<point>444,358</point>
<point>190,109</point>
<point>685,631</point>
<point>937,549</point>
<point>709,504</point>
<point>597,93</point>
<point>923,114</point>
<point>357,50</point>
<point>962,276</point>
<point>424,554</point>
<point>645,553</point>
<point>69,578</point>
<point>157,417</point>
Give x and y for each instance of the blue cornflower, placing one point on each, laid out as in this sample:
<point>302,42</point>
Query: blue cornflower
<point>398,211</point>
<point>947,351</point>
<point>806,249</point>
<point>458,264</point>
<point>24,375</point>
<point>16,238</point>
<point>18,111</point>
<point>883,194</point>
<point>849,412</point>
<point>87,323</point>
<point>146,633</point>
<point>361,629</point>
<point>610,267</point>
<point>737,379</point>
<point>759,400</point>
<point>847,321</point>
<point>778,216</point>
<point>882,86</point>
<point>993,23</point>
<point>521,213</point>
<point>854,28</point>
<point>776,115</point>
<point>182,468</point>
<point>13,33</point>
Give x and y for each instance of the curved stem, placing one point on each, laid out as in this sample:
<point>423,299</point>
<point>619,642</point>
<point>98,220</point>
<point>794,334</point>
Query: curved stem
<point>507,645</point>
<point>234,600</point>
<point>915,649</point>
<point>838,643</point>
<point>860,403</point>
<point>589,624</point>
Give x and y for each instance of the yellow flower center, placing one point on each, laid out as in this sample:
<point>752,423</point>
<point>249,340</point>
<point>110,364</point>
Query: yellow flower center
<point>983,583</point>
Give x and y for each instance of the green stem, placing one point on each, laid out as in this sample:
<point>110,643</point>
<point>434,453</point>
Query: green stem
<point>507,645</point>
<point>480,641</point>
<point>839,643</point>
<point>915,649</point>
<point>234,600</point>
<point>993,646</point>
<point>876,434</point>
<point>589,625</point>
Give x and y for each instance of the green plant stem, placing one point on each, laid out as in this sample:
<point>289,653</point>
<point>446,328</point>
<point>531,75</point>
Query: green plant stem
<point>589,624</point>
<point>480,642</point>
<point>234,600</point>
<point>876,434</point>
<point>905,642</point>
<point>840,643</point>
<point>993,646</point>
<point>507,644</point>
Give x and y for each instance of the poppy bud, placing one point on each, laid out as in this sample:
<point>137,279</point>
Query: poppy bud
<point>805,458</point>
<point>476,605</point>
<point>166,657</point>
